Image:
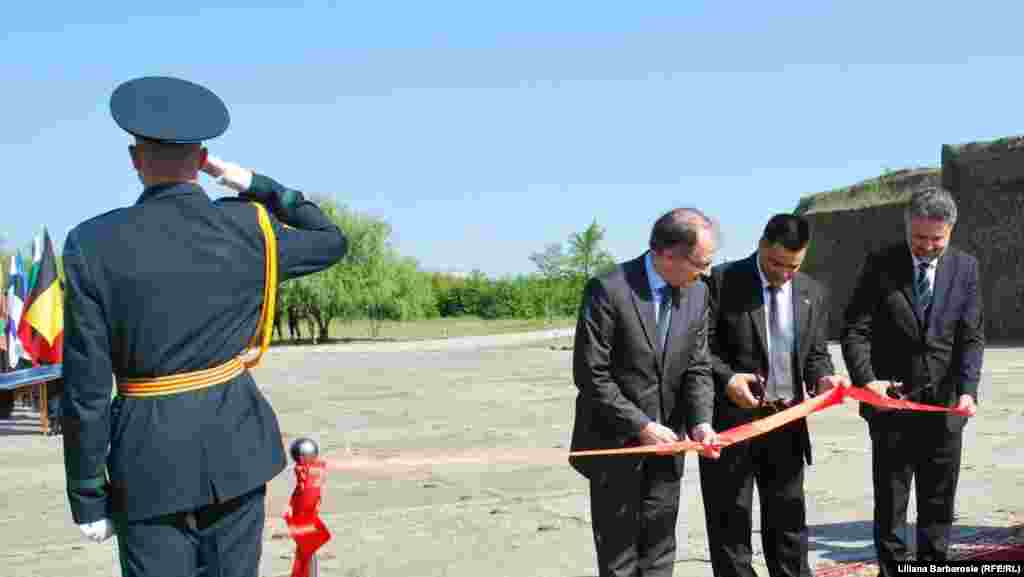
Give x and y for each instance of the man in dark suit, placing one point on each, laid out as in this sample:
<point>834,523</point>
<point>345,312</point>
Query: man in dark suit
<point>913,329</point>
<point>768,325</point>
<point>641,365</point>
<point>166,296</point>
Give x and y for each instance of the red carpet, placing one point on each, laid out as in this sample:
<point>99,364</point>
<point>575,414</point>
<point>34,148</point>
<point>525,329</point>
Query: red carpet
<point>994,545</point>
<point>999,553</point>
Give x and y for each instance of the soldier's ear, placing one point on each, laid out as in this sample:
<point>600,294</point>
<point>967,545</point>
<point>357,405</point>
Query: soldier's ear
<point>203,156</point>
<point>133,151</point>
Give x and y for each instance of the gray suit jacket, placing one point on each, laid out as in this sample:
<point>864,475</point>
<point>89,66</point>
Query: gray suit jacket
<point>937,358</point>
<point>622,379</point>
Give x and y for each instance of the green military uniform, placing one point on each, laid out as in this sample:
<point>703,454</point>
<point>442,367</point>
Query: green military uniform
<point>171,285</point>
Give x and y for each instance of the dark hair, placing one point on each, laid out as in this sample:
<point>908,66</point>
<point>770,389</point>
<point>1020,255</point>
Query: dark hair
<point>678,229</point>
<point>934,203</point>
<point>790,231</point>
<point>167,151</point>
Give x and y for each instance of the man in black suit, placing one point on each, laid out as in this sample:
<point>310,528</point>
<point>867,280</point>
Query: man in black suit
<point>767,336</point>
<point>915,318</point>
<point>644,377</point>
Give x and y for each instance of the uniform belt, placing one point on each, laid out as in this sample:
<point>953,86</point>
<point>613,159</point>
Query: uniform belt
<point>196,380</point>
<point>181,383</point>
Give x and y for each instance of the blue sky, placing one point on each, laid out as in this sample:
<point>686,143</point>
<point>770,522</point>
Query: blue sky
<point>483,133</point>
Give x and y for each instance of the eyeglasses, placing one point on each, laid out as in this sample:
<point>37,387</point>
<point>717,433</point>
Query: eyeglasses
<point>699,265</point>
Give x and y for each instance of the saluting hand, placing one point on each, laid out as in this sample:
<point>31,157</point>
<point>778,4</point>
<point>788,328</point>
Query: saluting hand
<point>228,174</point>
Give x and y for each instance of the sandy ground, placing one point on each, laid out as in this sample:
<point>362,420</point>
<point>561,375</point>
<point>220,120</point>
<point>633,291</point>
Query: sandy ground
<point>452,462</point>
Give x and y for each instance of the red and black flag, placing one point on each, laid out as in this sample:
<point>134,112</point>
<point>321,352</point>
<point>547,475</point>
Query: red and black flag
<point>41,329</point>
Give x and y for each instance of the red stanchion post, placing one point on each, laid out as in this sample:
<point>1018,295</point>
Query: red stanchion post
<point>303,514</point>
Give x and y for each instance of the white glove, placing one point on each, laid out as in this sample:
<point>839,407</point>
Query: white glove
<point>97,531</point>
<point>228,174</point>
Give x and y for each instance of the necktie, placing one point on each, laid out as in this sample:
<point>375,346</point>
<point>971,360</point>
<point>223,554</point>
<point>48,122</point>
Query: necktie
<point>780,375</point>
<point>923,289</point>
<point>664,315</point>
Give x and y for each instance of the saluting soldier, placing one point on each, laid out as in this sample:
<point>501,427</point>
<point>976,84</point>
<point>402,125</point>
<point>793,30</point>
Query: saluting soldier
<point>173,298</point>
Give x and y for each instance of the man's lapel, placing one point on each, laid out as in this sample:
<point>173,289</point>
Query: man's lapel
<point>943,284</point>
<point>801,315</point>
<point>677,329</point>
<point>643,301</point>
<point>757,313</point>
<point>905,274</point>
<point>679,324</point>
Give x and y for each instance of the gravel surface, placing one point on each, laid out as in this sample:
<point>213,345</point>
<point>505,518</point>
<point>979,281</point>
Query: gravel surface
<point>450,460</point>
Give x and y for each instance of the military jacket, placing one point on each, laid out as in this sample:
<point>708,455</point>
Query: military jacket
<point>174,284</point>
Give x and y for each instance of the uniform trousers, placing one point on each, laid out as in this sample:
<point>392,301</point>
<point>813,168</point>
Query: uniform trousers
<point>220,540</point>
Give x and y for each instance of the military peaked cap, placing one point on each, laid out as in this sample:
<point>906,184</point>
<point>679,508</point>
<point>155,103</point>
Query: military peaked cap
<point>168,110</point>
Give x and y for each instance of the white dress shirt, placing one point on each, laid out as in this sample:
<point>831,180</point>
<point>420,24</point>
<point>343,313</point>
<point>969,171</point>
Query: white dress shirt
<point>785,312</point>
<point>656,282</point>
<point>785,307</point>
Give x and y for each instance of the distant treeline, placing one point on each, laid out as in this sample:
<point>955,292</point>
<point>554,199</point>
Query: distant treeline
<point>374,283</point>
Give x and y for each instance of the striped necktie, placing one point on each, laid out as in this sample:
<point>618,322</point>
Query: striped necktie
<point>923,289</point>
<point>664,315</point>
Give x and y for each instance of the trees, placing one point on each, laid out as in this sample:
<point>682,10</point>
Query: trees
<point>414,297</point>
<point>551,262</point>
<point>563,274</point>
<point>355,286</point>
<point>586,256</point>
<point>372,282</point>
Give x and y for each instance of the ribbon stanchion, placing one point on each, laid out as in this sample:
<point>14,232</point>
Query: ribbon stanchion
<point>753,429</point>
<point>303,514</point>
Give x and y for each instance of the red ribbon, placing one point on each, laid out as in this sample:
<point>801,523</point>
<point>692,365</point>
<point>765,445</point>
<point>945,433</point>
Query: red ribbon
<point>761,426</point>
<point>746,431</point>
<point>871,397</point>
<point>303,515</point>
